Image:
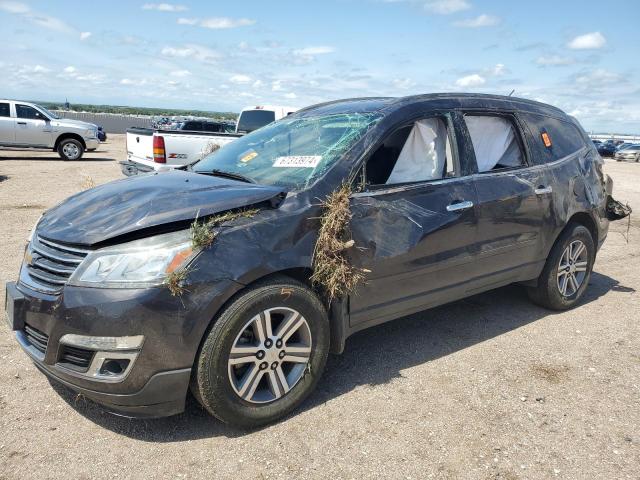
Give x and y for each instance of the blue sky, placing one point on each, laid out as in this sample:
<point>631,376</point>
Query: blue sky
<point>579,55</point>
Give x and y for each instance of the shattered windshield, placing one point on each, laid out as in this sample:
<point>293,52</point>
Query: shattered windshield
<point>292,152</point>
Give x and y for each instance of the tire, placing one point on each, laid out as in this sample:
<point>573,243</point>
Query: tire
<point>70,149</point>
<point>219,386</point>
<point>548,292</point>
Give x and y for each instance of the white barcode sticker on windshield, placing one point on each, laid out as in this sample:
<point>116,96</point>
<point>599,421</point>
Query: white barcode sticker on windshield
<point>298,161</point>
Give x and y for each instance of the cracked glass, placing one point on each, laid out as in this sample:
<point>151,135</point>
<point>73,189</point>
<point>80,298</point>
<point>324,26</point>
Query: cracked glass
<point>291,153</point>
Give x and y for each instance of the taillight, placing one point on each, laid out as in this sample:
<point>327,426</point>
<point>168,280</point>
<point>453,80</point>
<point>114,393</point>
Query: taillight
<point>159,155</point>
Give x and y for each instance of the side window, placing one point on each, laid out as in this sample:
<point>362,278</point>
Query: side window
<point>25,111</point>
<point>212,127</point>
<point>553,139</point>
<point>415,153</point>
<point>496,142</point>
<point>4,110</point>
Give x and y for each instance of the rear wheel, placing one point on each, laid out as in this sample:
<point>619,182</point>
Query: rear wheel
<point>567,271</point>
<point>264,354</point>
<point>70,149</point>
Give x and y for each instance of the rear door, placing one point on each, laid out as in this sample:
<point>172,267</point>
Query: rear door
<point>414,224</point>
<point>514,199</point>
<point>32,127</point>
<point>7,124</point>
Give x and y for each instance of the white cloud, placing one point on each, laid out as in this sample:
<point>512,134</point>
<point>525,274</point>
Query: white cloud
<point>164,7</point>
<point>217,23</point>
<point>45,21</point>
<point>498,70</point>
<point>597,78</point>
<point>311,51</point>
<point>187,21</point>
<point>133,82</point>
<point>554,61</point>
<point>14,7</point>
<point>446,7</point>
<point>588,41</point>
<point>479,21</point>
<point>197,52</point>
<point>180,73</point>
<point>40,69</point>
<point>84,35</point>
<point>290,95</point>
<point>276,86</point>
<point>473,80</point>
<point>69,69</point>
<point>240,79</point>
<point>258,84</point>
<point>403,83</point>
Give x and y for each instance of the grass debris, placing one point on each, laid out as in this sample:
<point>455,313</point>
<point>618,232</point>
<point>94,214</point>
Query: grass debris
<point>331,267</point>
<point>202,233</point>
<point>87,183</point>
<point>175,282</point>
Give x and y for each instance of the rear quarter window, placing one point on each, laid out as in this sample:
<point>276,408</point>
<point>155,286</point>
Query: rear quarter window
<point>4,110</point>
<point>552,139</point>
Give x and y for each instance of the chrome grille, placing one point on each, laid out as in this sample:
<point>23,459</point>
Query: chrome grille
<point>50,264</point>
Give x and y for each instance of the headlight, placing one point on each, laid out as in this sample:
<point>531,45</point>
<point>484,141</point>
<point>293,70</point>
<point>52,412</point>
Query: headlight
<point>140,263</point>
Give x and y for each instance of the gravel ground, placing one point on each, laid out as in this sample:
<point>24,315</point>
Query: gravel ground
<point>491,387</point>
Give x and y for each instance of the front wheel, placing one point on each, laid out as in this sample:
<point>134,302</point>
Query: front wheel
<point>567,271</point>
<point>264,354</point>
<point>70,149</point>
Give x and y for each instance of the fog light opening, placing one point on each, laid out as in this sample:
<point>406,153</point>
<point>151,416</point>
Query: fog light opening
<point>113,367</point>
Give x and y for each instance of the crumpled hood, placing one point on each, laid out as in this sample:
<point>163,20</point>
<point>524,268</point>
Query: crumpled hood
<point>144,201</point>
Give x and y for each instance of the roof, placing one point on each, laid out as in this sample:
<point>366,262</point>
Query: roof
<point>459,100</point>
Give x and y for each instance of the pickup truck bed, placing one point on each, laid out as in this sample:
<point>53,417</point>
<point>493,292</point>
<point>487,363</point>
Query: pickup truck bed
<point>181,147</point>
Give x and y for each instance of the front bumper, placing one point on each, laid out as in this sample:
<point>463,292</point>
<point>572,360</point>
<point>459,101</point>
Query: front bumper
<point>91,143</point>
<point>172,327</point>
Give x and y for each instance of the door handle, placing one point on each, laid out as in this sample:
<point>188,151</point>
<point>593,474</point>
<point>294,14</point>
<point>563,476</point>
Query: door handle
<point>22,123</point>
<point>543,190</point>
<point>455,207</point>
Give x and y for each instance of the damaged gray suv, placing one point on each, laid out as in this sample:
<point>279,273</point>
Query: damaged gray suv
<point>236,276</point>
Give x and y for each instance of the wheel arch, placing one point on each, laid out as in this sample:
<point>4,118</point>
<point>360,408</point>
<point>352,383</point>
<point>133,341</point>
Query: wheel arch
<point>66,135</point>
<point>336,310</point>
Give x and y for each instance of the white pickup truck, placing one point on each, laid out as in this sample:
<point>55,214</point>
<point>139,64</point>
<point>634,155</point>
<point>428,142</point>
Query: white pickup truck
<point>149,149</point>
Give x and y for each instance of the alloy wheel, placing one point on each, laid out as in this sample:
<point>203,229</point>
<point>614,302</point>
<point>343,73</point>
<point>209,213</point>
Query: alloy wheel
<point>71,151</point>
<point>572,269</point>
<point>270,355</point>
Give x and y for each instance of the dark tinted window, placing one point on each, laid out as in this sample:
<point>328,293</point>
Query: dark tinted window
<point>195,126</point>
<point>25,111</point>
<point>4,110</point>
<point>211,127</point>
<point>254,119</point>
<point>553,139</point>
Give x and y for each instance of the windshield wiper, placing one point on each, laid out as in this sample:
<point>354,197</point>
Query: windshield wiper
<point>221,173</point>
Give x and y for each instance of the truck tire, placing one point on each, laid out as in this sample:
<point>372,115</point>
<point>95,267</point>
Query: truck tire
<point>264,354</point>
<point>567,271</point>
<point>70,149</point>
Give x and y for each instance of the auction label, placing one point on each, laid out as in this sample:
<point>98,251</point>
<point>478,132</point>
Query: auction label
<point>298,161</point>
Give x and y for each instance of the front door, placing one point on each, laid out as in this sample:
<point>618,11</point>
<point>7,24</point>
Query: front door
<point>7,124</point>
<point>414,225</point>
<point>32,127</point>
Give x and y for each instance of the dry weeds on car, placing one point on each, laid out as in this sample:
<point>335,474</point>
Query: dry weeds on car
<point>202,233</point>
<point>332,269</point>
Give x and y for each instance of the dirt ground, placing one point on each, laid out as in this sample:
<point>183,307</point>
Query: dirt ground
<point>491,387</point>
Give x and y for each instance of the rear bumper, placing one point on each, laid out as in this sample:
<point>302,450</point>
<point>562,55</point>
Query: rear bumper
<point>130,168</point>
